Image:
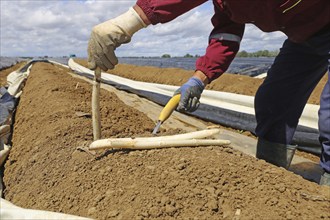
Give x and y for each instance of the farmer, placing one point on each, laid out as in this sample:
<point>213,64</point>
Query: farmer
<point>303,60</point>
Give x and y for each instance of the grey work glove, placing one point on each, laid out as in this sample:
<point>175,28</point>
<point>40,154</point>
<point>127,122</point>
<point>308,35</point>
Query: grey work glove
<point>190,94</point>
<point>107,36</point>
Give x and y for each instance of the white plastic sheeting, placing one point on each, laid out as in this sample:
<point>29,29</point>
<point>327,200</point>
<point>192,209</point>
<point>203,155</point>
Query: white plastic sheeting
<point>11,211</point>
<point>230,101</point>
<point>261,76</point>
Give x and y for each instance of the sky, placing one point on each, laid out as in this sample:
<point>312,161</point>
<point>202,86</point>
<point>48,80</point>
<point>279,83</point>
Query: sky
<point>63,27</point>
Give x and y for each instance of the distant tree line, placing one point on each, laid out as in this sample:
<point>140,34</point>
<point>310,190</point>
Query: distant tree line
<point>185,56</point>
<point>243,53</point>
<point>259,53</point>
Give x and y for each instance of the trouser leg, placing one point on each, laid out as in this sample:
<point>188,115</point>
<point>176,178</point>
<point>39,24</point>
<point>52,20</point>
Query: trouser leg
<point>280,100</point>
<point>324,126</point>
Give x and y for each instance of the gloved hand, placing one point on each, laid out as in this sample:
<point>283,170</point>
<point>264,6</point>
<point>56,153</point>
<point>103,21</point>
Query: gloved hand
<point>107,36</point>
<point>190,93</point>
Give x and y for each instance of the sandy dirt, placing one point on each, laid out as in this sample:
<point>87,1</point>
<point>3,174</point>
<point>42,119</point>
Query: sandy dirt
<point>47,170</point>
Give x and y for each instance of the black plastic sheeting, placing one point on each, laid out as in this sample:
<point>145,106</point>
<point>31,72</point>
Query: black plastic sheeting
<point>249,66</point>
<point>6,62</point>
<point>7,105</point>
<point>26,67</point>
<point>61,60</point>
<point>306,138</point>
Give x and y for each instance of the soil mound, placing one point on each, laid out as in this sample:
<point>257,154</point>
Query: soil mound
<point>48,170</point>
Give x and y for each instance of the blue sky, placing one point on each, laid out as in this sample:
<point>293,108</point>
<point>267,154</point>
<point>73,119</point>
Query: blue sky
<point>59,28</point>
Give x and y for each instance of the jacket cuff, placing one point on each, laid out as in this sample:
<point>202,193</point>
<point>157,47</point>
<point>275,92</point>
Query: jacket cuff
<point>145,6</point>
<point>211,75</point>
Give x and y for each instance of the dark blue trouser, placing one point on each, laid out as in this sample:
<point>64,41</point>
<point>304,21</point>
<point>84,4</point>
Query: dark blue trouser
<point>281,98</point>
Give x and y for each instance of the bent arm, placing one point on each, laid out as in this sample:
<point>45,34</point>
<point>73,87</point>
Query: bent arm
<point>224,42</point>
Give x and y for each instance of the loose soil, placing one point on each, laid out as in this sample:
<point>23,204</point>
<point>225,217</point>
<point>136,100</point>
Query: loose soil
<point>48,170</point>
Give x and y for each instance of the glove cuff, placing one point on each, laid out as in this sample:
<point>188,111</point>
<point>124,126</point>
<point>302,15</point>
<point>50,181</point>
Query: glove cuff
<point>130,22</point>
<point>198,82</point>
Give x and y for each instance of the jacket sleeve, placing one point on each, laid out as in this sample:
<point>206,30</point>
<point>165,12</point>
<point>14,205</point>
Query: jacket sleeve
<point>224,42</point>
<point>224,39</point>
<point>162,11</point>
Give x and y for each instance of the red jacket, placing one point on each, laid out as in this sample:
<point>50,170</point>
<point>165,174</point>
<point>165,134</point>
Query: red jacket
<point>298,19</point>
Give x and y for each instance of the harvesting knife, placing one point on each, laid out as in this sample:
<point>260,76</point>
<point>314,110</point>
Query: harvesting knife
<point>167,111</point>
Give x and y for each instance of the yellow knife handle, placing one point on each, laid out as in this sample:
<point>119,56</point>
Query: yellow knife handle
<point>169,107</point>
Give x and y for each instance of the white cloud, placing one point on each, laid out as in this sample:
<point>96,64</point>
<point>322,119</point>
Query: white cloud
<point>56,28</point>
<point>254,39</point>
<point>52,28</point>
